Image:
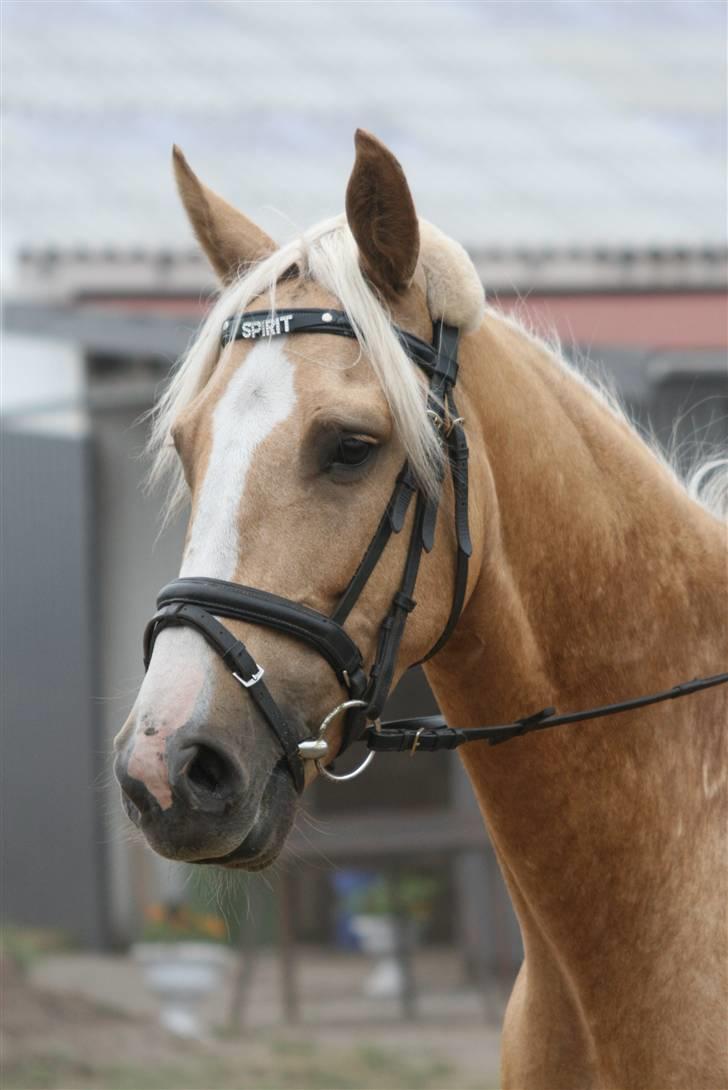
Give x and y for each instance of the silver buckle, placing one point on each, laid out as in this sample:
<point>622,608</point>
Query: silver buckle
<point>251,680</point>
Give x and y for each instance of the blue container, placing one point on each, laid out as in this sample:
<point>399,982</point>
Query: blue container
<point>346,882</point>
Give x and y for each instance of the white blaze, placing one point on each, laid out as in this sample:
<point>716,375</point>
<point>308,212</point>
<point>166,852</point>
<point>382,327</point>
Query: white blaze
<point>259,396</point>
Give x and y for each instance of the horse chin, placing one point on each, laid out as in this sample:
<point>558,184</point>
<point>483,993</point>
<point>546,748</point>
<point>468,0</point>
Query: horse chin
<point>263,843</point>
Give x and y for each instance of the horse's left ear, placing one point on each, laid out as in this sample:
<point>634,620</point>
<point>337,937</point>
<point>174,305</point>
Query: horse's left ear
<point>231,241</point>
<point>382,217</point>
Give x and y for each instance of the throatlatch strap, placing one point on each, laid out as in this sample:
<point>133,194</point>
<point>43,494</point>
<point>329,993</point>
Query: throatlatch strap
<point>443,410</point>
<point>458,452</point>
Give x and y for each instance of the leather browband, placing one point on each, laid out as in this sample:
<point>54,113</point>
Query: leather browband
<point>261,324</point>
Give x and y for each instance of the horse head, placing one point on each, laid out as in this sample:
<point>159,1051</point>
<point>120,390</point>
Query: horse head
<point>288,448</point>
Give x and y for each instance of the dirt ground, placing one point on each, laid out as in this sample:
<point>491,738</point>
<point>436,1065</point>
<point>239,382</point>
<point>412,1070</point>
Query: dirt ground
<point>59,1034</point>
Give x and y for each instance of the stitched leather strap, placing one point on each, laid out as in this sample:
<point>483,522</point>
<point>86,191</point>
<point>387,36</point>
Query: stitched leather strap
<point>442,405</point>
<point>260,607</point>
<point>261,324</point>
<point>241,664</point>
<point>391,522</point>
<point>429,734</point>
<point>392,628</point>
<point>459,467</point>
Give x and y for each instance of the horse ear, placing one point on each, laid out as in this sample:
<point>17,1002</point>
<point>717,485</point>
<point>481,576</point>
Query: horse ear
<point>230,240</point>
<point>382,217</point>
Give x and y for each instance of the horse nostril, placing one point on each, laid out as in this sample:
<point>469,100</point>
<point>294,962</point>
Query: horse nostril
<point>208,770</point>
<point>207,774</point>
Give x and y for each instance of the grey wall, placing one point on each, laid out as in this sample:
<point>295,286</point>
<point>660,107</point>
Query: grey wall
<point>52,840</point>
<point>81,567</point>
<point>133,562</point>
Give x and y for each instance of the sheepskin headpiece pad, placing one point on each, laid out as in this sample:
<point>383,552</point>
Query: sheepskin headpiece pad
<point>454,291</point>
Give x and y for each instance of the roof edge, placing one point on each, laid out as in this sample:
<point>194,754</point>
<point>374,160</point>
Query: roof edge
<point>59,273</point>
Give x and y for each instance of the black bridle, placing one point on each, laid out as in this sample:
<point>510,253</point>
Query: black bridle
<point>199,602</point>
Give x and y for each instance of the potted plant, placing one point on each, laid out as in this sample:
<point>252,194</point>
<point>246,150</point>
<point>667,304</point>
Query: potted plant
<point>183,955</point>
<point>388,916</point>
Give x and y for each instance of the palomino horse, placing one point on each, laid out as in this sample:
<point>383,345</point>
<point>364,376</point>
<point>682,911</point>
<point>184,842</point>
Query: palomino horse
<point>593,576</point>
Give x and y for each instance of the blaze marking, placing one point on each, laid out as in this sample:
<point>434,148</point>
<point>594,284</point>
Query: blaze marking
<point>260,395</point>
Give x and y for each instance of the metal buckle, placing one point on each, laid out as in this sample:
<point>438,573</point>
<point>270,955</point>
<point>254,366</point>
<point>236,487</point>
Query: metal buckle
<point>416,742</point>
<point>312,750</point>
<point>445,423</point>
<point>436,419</point>
<point>251,680</point>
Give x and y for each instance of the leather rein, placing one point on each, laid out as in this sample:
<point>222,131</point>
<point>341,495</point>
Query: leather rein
<point>199,602</point>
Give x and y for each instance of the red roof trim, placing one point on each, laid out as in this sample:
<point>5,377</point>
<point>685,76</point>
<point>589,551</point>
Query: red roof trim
<point>672,320</point>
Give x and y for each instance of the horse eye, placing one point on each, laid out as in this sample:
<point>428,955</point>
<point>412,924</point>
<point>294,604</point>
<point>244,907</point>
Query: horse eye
<point>352,452</point>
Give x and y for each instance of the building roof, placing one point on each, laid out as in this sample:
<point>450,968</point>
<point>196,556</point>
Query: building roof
<point>59,273</point>
<point>113,298</point>
<point>534,124</point>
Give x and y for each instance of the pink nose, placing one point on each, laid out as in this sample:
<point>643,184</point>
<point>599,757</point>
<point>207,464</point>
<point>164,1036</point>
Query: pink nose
<point>189,772</point>
<point>147,763</point>
<point>203,782</point>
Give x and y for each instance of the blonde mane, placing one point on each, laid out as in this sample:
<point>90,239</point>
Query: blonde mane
<point>328,255</point>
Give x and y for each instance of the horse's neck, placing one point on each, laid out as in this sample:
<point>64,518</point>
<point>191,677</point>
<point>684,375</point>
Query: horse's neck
<point>599,580</point>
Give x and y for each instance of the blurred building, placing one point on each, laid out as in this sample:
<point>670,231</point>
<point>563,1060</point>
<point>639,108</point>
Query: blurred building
<point>575,149</point>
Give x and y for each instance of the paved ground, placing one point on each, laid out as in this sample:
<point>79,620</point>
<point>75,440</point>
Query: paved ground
<point>87,1021</point>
